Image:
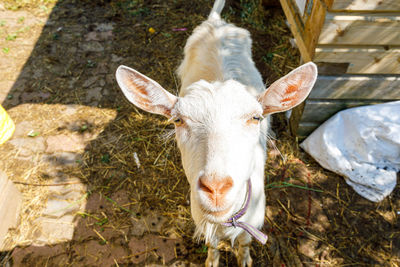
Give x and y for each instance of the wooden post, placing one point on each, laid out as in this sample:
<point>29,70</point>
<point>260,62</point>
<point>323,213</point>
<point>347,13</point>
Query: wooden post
<point>306,29</point>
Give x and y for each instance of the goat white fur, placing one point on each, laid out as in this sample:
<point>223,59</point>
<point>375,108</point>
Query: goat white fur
<point>222,120</point>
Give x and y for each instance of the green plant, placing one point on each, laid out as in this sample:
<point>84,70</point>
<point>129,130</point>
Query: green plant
<point>11,37</point>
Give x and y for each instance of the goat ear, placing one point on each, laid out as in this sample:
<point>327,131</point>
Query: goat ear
<point>145,93</point>
<point>290,90</point>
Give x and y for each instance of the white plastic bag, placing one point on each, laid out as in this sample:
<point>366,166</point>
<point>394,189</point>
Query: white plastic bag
<point>363,145</point>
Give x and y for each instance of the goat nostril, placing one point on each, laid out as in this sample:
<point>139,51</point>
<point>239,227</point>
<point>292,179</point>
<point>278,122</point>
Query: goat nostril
<point>205,186</point>
<point>226,185</point>
<point>215,186</point>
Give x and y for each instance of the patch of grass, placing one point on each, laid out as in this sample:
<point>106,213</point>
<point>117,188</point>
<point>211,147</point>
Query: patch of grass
<point>253,13</point>
<point>140,12</point>
<point>21,19</point>
<point>6,50</point>
<point>24,29</point>
<point>11,37</point>
<point>91,64</point>
<point>105,158</point>
<point>102,221</point>
<point>2,23</point>
<point>44,8</point>
<point>32,133</point>
<point>268,58</point>
<point>83,128</point>
<point>203,249</point>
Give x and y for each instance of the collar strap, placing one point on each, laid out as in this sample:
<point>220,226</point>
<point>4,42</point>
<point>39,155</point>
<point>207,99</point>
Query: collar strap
<point>233,221</point>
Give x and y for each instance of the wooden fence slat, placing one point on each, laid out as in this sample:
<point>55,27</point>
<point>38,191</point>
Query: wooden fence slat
<point>361,29</point>
<point>318,111</point>
<point>384,87</point>
<point>305,129</point>
<point>362,59</point>
<point>366,5</point>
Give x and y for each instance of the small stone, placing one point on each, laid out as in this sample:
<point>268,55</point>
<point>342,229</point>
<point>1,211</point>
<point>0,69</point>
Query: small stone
<point>52,231</point>
<point>28,146</point>
<point>138,228</point>
<point>35,96</point>
<point>307,247</point>
<point>102,68</point>
<point>37,73</point>
<point>75,185</point>
<point>57,208</point>
<point>69,196</point>
<point>115,58</point>
<point>10,199</point>
<point>89,82</point>
<point>110,78</point>
<point>104,27</point>
<point>94,94</point>
<point>121,196</point>
<point>91,36</point>
<point>107,35</point>
<point>67,143</point>
<point>92,47</point>
<point>22,129</point>
<point>70,109</point>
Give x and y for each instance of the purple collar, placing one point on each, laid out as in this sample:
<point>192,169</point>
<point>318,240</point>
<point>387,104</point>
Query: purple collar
<point>233,221</point>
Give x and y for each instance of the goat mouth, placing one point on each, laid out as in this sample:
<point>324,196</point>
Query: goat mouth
<point>216,215</point>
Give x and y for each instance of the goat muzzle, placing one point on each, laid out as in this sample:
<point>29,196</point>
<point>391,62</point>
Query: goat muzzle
<point>215,188</point>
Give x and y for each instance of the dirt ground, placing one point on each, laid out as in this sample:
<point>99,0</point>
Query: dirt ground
<point>75,131</point>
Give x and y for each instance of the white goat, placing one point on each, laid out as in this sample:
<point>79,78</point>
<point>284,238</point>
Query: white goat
<point>221,119</point>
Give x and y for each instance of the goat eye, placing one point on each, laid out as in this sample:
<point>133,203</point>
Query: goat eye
<point>178,121</point>
<point>254,120</point>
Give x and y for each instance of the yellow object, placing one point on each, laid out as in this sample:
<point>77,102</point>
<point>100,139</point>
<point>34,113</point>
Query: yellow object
<point>151,30</point>
<point>7,126</point>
